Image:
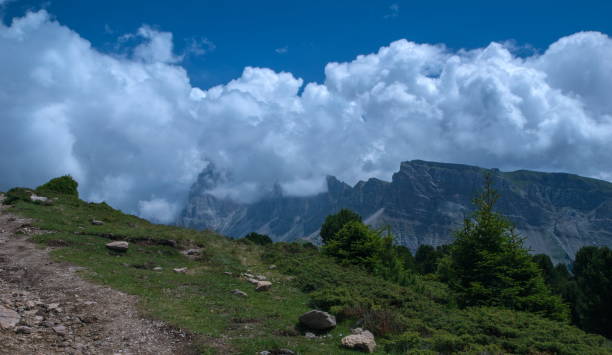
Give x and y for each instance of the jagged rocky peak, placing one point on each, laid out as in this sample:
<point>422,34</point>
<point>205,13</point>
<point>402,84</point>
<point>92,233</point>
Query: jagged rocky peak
<point>423,204</point>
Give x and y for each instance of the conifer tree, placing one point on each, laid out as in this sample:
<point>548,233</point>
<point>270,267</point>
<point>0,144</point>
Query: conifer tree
<point>490,267</point>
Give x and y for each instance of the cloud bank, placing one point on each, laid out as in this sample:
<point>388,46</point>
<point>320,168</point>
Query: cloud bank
<point>135,133</point>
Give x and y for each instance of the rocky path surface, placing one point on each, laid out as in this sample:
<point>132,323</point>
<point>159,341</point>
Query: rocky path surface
<point>46,308</point>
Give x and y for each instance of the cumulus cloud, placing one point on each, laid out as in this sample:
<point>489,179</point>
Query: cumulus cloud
<point>135,133</point>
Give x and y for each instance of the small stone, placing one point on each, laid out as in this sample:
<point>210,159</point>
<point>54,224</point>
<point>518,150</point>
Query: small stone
<point>265,352</point>
<point>158,268</point>
<point>180,270</point>
<point>253,281</point>
<point>96,222</point>
<point>23,330</point>
<point>310,335</point>
<point>60,330</point>
<point>227,273</point>
<point>261,278</point>
<point>192,252</point>
<point>239,293</point>
<point>272,267</point>
<point>8,318</point>
<point>52,306</point>
<point>247,275</point>
<point>263,286</point>
<point>120,246</point>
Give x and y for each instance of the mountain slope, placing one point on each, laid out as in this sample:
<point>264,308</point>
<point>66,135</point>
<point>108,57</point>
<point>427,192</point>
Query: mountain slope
<point>423,204</point>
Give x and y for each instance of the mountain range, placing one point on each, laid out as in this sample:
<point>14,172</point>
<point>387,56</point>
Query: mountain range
<point>424,203</point>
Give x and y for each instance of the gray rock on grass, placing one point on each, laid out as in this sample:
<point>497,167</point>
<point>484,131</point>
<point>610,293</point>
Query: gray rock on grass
<point>362,340</point>
<point>317,320</point>
<point>120,246</point>
<point>263,286</point>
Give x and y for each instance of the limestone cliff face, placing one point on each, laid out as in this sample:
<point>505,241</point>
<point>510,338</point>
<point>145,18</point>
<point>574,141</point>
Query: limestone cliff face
<point>423,204</point>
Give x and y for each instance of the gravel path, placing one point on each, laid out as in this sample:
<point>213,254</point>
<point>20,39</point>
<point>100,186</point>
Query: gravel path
<point>46,308</point>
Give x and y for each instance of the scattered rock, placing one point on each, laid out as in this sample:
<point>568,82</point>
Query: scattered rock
<point>239,293</point>
<point>263,285</point>
<point>118,246</point>
<point>227,273</point>
<point>23,330</point>
<point>193,252</point>
<point>317,320</point>
<point>60,330</point>
<point>158,268</point>
<point>272,267</point>
<point>253,281</point>
<point>8,318</point>
<point>96,222</point>
<point>247,275</point>
<point>52,306</point>
<point>360,340</point>
<point>310,335</point>
<point>261,278</point>
<point>277,352</point>
<point>180,270</point>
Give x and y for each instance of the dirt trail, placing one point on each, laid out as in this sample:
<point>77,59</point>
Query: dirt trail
<point>47,308</point>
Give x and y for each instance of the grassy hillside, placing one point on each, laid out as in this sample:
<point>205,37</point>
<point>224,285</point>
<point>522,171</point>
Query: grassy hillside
<point>417,319</point>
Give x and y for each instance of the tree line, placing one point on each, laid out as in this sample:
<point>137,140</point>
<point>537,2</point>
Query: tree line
<point>486,265</point>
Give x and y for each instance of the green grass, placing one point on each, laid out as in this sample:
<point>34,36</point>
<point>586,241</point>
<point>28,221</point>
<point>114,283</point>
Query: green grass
<point>420,319</point>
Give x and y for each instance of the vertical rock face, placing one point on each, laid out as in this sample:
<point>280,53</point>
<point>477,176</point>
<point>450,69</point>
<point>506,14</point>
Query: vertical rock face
<point>423,204</point>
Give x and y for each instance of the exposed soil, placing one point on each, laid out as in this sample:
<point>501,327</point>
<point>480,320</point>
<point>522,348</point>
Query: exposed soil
<point>60,313</point>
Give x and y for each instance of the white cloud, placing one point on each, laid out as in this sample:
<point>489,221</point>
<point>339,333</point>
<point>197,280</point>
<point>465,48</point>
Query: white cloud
<point>157,46</point>
<point>158,210</point>
<point>135,133</point>
<point>199,46</point>
<point>282,50</point>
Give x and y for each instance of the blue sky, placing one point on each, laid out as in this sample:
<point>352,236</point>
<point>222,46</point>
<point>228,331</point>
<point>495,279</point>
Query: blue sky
<point>135,99</point>
<point>309,34</point>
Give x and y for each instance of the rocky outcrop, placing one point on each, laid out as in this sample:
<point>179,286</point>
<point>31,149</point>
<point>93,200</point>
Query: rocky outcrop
<point>425,203</point>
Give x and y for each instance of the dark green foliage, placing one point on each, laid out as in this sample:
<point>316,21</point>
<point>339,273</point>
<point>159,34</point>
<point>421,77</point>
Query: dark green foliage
<point>427,258</point>
<point>593,303</point>
<point>64,185</point>
<point>490,267</point>
<point>359,245</point>
<point>406,258</point>
<point>17,194</point>
<point>355,243</point>
<point>546,265</point>
<point>334,223</point>
<point>419,319</point>
<point>260,239</point>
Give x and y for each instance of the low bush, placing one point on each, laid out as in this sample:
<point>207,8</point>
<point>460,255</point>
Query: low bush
<point>64,185</point>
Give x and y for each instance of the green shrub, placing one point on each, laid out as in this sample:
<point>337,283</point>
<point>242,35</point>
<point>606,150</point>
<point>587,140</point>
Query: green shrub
<point>334,223</point>
<point>259,239</point>
<point>17,194</point>
<point>64,185</point>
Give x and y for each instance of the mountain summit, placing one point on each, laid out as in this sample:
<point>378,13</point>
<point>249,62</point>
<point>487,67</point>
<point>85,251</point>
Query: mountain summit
<point>424,203</point>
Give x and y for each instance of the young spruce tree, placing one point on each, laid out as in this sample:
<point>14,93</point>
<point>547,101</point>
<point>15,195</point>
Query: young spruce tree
<point>490,267</point>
